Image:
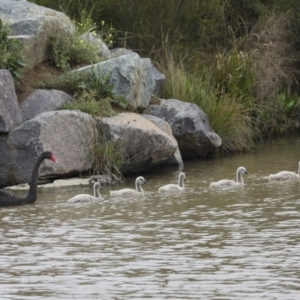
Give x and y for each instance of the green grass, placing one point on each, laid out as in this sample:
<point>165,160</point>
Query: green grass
<point>93,95</point>
<point>106,156</point>
<point>11,53</point>
<point>228,109</point>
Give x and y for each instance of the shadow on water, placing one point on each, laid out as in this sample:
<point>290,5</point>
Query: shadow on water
<point>242,243</point>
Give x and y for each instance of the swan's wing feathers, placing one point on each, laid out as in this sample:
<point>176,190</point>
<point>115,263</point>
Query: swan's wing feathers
<point>81,198</point>
<point>284,175</point>
<point>124,193</point>
<point>7,199</point>
<point>129,192</point>
<point>5,194</point>
<point>170,188</point>
<point>225,183</point>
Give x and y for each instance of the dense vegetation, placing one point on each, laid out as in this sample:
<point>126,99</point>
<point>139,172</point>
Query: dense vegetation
<point>10,50</point>
<point>237,59</point>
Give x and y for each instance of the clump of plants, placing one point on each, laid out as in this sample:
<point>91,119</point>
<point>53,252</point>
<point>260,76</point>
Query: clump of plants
<point>67,53</point>
<point>222,90</point>
<point>92,94</point>
<point>84,22</point>
<point>276,76</point>
<point>106,156</point>
<point>10,50</point>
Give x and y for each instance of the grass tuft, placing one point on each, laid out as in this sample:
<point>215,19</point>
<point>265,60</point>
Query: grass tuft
<point>216,91</point>
<point>106,155</point>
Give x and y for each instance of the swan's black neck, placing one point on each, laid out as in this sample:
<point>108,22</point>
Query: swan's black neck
<point>8,199</point>
<point>32,194</point>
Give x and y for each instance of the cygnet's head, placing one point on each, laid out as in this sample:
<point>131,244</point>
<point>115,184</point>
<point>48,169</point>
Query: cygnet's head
<point>182,175</point>
<point>242,170</point>
<point>97,185</point>
<point>141,180</point>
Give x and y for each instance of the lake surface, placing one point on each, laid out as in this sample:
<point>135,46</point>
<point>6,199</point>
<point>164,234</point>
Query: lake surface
<point>201,244</point>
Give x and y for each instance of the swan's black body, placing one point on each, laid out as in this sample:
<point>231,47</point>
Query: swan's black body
<point>8,199</point>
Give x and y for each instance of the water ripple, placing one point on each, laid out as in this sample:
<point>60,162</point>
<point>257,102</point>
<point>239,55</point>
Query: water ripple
<point>202,244</point>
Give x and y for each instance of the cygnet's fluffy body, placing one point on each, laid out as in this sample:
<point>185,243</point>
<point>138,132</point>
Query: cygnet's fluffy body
<point>227,183</point>
<point>174,188</point>
<point>285,175</point>
<point>86,197</point>
<point>138,191</point>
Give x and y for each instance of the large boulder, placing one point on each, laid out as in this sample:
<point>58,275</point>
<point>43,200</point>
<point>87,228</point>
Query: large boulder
<point>143,144</point>
<point>190,126</point>
<point>42,101</point>
<point>176,158</point>
<point>68,134</point>
<point>116,52</point>
<point>32,25</point>
<point>132,77</point>
<point>10,113</point>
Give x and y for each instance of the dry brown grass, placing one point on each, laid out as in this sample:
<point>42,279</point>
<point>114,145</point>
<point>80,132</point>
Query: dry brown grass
<point>274,60</point>
<point>34,76</point>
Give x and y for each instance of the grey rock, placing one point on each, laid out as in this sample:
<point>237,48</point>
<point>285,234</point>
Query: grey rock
<point>160,80</point>
<point>68,134</point>
<point>101,48</point>
<point>145,146</point>
<point>176,159</point>
<point>190,127</point>
<point>131,76</point>
<point>32,25</point>
<point>42,101</point>
<point>58,183</point>
<point>10,112</point>
<point>116,52</point>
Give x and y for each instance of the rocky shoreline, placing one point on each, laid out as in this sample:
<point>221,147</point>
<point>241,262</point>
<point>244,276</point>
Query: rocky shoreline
<point>162,131</point>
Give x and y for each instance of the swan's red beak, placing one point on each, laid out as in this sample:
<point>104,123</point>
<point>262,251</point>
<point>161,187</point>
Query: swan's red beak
<point>52,157</point>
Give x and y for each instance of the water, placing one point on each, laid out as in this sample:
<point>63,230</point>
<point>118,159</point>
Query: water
<point>203,244</point>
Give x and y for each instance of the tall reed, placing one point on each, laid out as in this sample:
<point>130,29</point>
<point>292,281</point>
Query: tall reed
<point>228,109</point>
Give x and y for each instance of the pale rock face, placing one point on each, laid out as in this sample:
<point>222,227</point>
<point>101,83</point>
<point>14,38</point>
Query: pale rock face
<point>32,25</point>
<point>144,144</point>
<point>176,159</point>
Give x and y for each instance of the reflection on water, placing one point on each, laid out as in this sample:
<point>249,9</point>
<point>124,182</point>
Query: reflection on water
<point>202,244</point>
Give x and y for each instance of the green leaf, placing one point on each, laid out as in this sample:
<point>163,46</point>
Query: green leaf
<point>82,85</point>
<point>291,104</point>
<point>17,74</point>
<point>21,63</point>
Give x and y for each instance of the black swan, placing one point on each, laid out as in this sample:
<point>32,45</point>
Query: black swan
<point>87,197</point>
<point>131,192</point>
<point>8,199</point>
<point>172,187</point>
